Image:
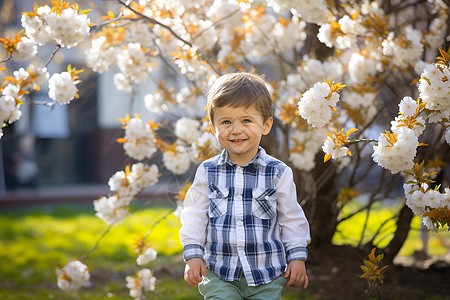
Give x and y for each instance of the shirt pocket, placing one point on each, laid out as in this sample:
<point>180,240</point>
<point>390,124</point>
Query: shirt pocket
<point>264,203</point>
<point>217,200</point>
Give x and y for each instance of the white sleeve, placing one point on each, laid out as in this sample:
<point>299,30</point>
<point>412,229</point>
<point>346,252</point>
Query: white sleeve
<point>292,219</point>
<point>194,214</point>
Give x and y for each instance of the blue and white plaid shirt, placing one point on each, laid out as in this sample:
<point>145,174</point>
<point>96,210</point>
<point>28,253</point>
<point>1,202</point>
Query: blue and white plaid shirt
<point>244,220</point>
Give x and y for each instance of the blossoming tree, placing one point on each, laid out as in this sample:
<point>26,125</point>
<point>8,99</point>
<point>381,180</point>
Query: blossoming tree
<point>361,92</point>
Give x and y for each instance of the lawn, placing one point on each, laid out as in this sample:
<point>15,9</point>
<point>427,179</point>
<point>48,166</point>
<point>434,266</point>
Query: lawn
<point>35,240</point>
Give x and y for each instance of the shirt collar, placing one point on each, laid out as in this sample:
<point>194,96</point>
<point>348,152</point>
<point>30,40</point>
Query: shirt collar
<point>260,158</point>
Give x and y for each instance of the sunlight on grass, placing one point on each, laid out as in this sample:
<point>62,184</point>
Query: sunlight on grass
<point>349,232</point>
<point>34,242</point>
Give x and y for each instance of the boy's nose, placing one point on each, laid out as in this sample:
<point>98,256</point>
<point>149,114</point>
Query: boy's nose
<point>236,128</point>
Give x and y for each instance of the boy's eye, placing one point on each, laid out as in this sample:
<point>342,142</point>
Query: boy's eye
<point>226,122</point>
<point>246,121</point>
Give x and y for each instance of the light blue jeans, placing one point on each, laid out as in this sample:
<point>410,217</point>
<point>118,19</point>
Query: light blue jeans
<point>214,288</point>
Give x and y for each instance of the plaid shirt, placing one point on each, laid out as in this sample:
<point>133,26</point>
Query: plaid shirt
<point>244,220</point>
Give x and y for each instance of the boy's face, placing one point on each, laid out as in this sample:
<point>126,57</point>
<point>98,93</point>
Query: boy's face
<point>239,131</point>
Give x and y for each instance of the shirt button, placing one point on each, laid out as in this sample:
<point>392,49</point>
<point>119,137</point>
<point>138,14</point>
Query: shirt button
<point>238,197</point>
<point>239,222</point>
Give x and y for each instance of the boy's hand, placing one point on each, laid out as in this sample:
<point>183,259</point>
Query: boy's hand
<point>296,272</point>
<point>195,267</point>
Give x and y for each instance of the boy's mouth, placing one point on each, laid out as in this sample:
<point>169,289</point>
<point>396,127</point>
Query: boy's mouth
<point>237,140</point>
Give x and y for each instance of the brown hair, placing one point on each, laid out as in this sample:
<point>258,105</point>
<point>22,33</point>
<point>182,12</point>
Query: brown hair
<point>240,89</point>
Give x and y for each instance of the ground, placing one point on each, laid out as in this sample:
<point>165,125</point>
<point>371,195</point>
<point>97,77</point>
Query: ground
<point>336,276</point>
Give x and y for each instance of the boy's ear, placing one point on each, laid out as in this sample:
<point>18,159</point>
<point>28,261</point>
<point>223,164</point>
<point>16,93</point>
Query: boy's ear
<point>267,126</point>
<point>211,125</point>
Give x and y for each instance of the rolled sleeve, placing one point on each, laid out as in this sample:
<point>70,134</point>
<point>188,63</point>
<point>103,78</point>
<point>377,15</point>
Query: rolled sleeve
<point>193,251</point>
<point>298,253</point>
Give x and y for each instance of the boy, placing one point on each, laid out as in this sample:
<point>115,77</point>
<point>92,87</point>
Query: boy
<point>241,215</point>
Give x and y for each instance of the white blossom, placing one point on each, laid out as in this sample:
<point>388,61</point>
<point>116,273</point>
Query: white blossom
<point>206,142</point>
<point>73,276</point>
<point>399,156</point>
<point>433,89</point>
<point>68,28</point>
<point>404,54</point>
<point>330,148</point>
<point>25,49</point>
<point>37,28</point>
<point>144,281</point>
<point>362,67</point>
<point>155,103</point>
<point>313,11</point>
<point>177,162</point>
<point>122,83</point>
<point>147,256</point>
<point>144,175</point>
<point>408,106</point>
<point>112,210</point>
<point>187,130</point>
<point>139,139</point>
<point>314,107</point>
<point>100,57</point>
<point>134,63</point>
<point>61,88</point>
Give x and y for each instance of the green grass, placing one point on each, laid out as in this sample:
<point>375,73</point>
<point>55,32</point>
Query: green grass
<point>349,231</point>
<point>33,242</point>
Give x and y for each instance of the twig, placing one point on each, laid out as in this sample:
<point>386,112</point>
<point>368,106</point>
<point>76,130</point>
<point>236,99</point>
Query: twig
<point>6,59</point>
<point>153,21</point>
<point>158,221</point>
<point>52,55</point>
<point>83,257</point>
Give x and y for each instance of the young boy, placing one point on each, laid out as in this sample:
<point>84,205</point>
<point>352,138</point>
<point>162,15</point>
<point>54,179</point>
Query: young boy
<point>242,228</point>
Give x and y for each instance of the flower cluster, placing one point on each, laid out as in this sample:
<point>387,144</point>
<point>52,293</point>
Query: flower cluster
<point>205,146</point>
<point>340,34</point>
<point>334,146</point>
<point>429,204</point>
<point>396,151</point>
<point>126,185</point>
<point>139,140</point>
<point>309,10</point>
<point>142,282</point>
<point>148,255</point>
<point>61,88</point>
<point>409,111</point>
<point>317,103</point>
<point>404,50</point>
<point>134,63</point>
<point>423,199</point>
<point>187,130</point>
<point>13,88</point>
<point>66,26</point>
<point>178,160</point>
<point>434,88</point>
<point>303,147</point>
<point>73,276</point>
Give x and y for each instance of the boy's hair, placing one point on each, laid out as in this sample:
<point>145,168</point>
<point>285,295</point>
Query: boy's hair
<point>240,89</point>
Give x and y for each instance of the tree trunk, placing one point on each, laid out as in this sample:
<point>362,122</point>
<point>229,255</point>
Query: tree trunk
<point>401,233</point>
<point>321,209</point>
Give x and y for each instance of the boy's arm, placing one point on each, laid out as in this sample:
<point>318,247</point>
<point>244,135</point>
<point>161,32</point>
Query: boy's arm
<point>194,217</point>
<point>293,223</point>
